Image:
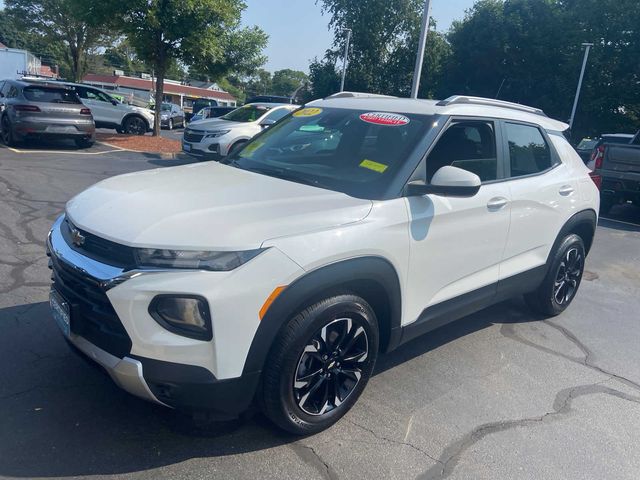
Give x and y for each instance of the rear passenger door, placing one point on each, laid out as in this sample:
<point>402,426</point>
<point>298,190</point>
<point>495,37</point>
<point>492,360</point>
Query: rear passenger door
<point>543,196</point>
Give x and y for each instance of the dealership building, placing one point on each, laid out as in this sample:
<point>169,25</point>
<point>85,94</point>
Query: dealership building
<point>140,90</point>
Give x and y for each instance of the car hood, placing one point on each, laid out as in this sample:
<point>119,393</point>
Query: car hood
<point>210,123</point>
<point>207,206</point>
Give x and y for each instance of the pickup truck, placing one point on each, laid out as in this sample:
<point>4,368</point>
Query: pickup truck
<point>616,169</point>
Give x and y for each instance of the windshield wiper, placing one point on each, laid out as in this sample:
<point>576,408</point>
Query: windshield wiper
<point>282,174</point>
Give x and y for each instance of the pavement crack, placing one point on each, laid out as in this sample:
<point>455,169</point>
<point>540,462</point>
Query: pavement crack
<point>309,456</point>
<point>508,330</point>
<point>391,440</point>
<point>561,407</point>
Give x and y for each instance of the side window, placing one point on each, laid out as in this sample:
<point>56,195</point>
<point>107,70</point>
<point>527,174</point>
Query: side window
<point>1,87</point>
<point>277,114</point>
<point>12,92</point>
<point>470,145</point>
<point>529,152</point>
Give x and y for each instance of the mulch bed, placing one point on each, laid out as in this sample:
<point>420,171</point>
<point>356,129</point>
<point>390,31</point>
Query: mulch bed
<point>141,143</point>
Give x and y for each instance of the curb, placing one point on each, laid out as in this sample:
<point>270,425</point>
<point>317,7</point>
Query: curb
<point>158,155</point>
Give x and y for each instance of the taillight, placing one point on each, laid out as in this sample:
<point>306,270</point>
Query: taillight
<point>85,111</point>
<point>598,155</point>
<point>26,108</point>
<point>597,179</point>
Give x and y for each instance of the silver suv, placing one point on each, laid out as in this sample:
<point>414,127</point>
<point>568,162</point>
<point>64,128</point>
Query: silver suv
<point>45,110</point>
<point>215,138</point>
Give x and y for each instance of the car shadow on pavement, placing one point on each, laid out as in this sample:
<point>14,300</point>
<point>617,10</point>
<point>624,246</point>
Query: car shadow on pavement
<point>62,416</point>
<point>42,144</point>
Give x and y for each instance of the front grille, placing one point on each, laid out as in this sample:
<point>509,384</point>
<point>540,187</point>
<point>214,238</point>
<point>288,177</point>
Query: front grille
<point>192,136</point>
<point>99,249</point>
<point>92,315</point>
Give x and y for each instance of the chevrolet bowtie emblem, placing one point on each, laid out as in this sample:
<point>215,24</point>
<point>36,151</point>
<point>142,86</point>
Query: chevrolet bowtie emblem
<point>77,238</point>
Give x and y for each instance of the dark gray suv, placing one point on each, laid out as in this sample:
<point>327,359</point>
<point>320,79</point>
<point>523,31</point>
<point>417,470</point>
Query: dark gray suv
<point>43,110</point>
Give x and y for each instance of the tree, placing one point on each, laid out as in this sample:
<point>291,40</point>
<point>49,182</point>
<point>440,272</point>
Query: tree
<point>203,33</point>
<point>59,22</point>
<point>286,82</point>
<point>383,45</point>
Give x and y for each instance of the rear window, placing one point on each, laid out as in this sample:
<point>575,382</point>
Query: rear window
<point>587,144</point>
<point>50,95</point>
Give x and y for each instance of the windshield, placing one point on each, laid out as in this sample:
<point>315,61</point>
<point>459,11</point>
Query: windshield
<point>587,144</point>
<point>166,107</point>
<point>357,152</point>
<point>248,113</point>
<point>50,95</point>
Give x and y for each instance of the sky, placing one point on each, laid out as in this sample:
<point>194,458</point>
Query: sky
<point>298,31</point>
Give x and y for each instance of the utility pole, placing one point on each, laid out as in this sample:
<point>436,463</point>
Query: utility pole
<point>421,46</point>
<point>584,66</point>
<point>346,59</point>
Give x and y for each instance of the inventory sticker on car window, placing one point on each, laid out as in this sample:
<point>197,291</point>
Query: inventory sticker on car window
<point>249,150</point>
<point>308,112</point>
<point>386,119</point>
<point>375,166</point>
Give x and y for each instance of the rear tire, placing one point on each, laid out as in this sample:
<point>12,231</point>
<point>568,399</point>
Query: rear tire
<point>7,132</point>
<point>560,285</point>
<point>320,364</point>
<point>606,205</point>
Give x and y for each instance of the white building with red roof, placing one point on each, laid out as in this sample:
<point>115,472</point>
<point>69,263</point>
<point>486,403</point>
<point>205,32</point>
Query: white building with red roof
<point>141,89</point>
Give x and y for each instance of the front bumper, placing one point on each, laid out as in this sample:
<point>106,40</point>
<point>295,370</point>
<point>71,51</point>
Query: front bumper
<point>152,362</point>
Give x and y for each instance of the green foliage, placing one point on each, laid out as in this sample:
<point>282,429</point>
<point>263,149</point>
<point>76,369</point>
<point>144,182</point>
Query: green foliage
<point>205,34</point>
<point>57,27</point>
<point>285,82</point>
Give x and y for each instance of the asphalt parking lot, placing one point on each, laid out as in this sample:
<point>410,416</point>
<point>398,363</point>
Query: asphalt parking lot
<point>501,394</point>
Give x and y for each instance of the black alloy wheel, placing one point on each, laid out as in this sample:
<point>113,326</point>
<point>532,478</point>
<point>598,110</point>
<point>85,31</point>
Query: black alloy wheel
<point>330,366</point>
<point>135,126</point>
<point>319,364</point>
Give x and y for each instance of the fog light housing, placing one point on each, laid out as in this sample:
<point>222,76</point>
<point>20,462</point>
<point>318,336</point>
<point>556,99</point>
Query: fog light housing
<point>186,315</point>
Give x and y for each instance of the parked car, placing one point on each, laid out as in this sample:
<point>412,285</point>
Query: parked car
<point>211,112</point>
<point>108,112</point>
<point>198,105</point>
<point>587,146</point>
<point>282,275</point>
<point>171,115</point>
<point>213,139</point>
<point>616,169</point>
<point>43,110</point>
<point>269,99</point>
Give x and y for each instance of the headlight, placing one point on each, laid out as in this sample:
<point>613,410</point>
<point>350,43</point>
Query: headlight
<point>216,133</point>
<point>193,259</point>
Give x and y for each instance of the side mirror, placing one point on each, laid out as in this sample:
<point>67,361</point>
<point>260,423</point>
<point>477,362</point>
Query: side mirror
<point>447,181</point>
<point>267,123</point>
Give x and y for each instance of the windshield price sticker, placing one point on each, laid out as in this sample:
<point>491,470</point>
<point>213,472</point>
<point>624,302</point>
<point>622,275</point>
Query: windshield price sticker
<point>375,166</point>
<point>308,112</point>
<point>386,119</point>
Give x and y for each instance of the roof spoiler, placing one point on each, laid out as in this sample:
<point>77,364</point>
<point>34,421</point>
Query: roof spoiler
<point>466,100</point>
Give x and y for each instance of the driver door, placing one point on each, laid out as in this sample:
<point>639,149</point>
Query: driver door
<point>457,243</point>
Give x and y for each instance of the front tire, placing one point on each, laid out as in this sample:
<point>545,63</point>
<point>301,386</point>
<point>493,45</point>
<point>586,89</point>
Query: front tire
<point>83,142</point>
<point>320,364</point>
<point>560,285</point>
<point>135,126</point>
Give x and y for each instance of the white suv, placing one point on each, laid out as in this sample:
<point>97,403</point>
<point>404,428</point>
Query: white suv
<point>110,113</point>
<point>345,230</point>
<point>215,138</point>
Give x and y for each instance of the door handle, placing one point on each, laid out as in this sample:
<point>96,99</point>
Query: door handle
<point>565,190</point>
<point>496,203</point>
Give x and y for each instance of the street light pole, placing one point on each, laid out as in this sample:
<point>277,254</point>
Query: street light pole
<point>584,66</point>
<point>421,46</point>
<point>346,59</point>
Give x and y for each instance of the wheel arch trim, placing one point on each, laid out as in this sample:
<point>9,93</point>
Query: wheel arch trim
<point>579,223</point>
<point>357,275</point>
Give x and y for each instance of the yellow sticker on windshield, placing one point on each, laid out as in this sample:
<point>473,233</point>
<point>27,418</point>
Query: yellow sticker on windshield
<point>375,166</point>
<point>308,112</point>
<point>250,149</point>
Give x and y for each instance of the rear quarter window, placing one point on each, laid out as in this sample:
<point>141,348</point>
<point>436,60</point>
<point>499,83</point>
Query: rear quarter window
<point>529,152</point>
